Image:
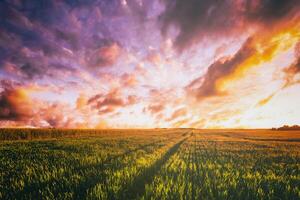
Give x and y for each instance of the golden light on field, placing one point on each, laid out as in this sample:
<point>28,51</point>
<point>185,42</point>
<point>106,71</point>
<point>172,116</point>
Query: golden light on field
<point>149,99</point>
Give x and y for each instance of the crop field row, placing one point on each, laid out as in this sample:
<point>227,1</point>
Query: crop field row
<point>77,169</point>
<point>204,168</point>
<point>157,164</point>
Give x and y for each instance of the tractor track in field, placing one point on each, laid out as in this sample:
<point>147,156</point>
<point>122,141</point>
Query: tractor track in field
<point>138,186</point>
<point>81,189</point>
<point>91,181</point>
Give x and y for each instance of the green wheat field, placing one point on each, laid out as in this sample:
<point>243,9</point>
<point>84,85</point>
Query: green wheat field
<point>149,164</point>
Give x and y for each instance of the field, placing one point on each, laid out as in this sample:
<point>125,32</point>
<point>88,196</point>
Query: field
<point>149,164</point>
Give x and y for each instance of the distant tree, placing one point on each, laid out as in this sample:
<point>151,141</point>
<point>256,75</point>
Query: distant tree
<point>287,128</point>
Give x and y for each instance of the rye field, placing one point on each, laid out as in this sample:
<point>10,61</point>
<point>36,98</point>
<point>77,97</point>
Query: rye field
<point>149,164</point>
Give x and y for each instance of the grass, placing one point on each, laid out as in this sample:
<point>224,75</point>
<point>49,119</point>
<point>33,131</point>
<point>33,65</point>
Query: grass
<point>149,164</point>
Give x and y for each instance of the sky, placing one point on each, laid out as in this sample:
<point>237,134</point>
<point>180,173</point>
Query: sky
<point>149,63</point>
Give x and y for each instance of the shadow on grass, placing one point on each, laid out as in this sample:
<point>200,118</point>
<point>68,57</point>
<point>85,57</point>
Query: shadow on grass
<point>98,174</point>
<point>137,187</point>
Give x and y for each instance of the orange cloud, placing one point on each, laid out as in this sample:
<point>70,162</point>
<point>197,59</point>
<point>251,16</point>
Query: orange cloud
<point>81,101</point>
<point>128,80</point>
<point>290,73</point>
<point>198,124</point>
<point>107,103</point>
<point>19,108</point>
<point>105,55</point>
<point>265,100</point>
<point>293,69</point>
<point>57,115</point>
<point>218,70</point>
<point>262,47</point>
<point>177,113</point>
<point>102,125</point>
<point>15,104</point>
<point>180,123</point>
<point>153,58</point>
<point>267,45</point>
<point>155,108</point>
<point>200,20</point>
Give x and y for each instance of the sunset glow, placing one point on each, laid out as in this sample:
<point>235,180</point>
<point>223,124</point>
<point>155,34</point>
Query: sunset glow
<point>150,63</point>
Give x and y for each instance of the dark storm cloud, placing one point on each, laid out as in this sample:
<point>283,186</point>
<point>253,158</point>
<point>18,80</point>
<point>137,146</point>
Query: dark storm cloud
<point>206,85</point>
<point>200,19</point>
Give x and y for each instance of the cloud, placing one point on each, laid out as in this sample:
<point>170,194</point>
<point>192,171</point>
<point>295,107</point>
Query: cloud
<point>108,103</point>
<point>207,85</point>
<point>19,107</point>
<point>81,102</point>
<point>26,44</point>
<point>105,55</point>
<point>266,100</point>
<point>177,113</point>
<point>200,19</point>
<point>71,38</point>
<point>294,69</point>
<point>15,104</point>
<point>36,37</point>
<point>290,77</point>
<point>261,47</point>
<point>198,124</point>
<point>196,19</point>
<point>269,11</point>
<point>153,58</point>
<point>155,108</point>
<point>128,80</point>
<point>181,123</point>
<point>56,115</point>
<point>71,46</point>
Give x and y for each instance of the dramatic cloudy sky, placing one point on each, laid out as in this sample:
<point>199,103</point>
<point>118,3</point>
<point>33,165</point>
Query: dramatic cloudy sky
<point>149,63</point>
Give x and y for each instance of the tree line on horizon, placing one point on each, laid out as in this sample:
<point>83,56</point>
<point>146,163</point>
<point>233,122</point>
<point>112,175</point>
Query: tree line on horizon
<point>286,127</point>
